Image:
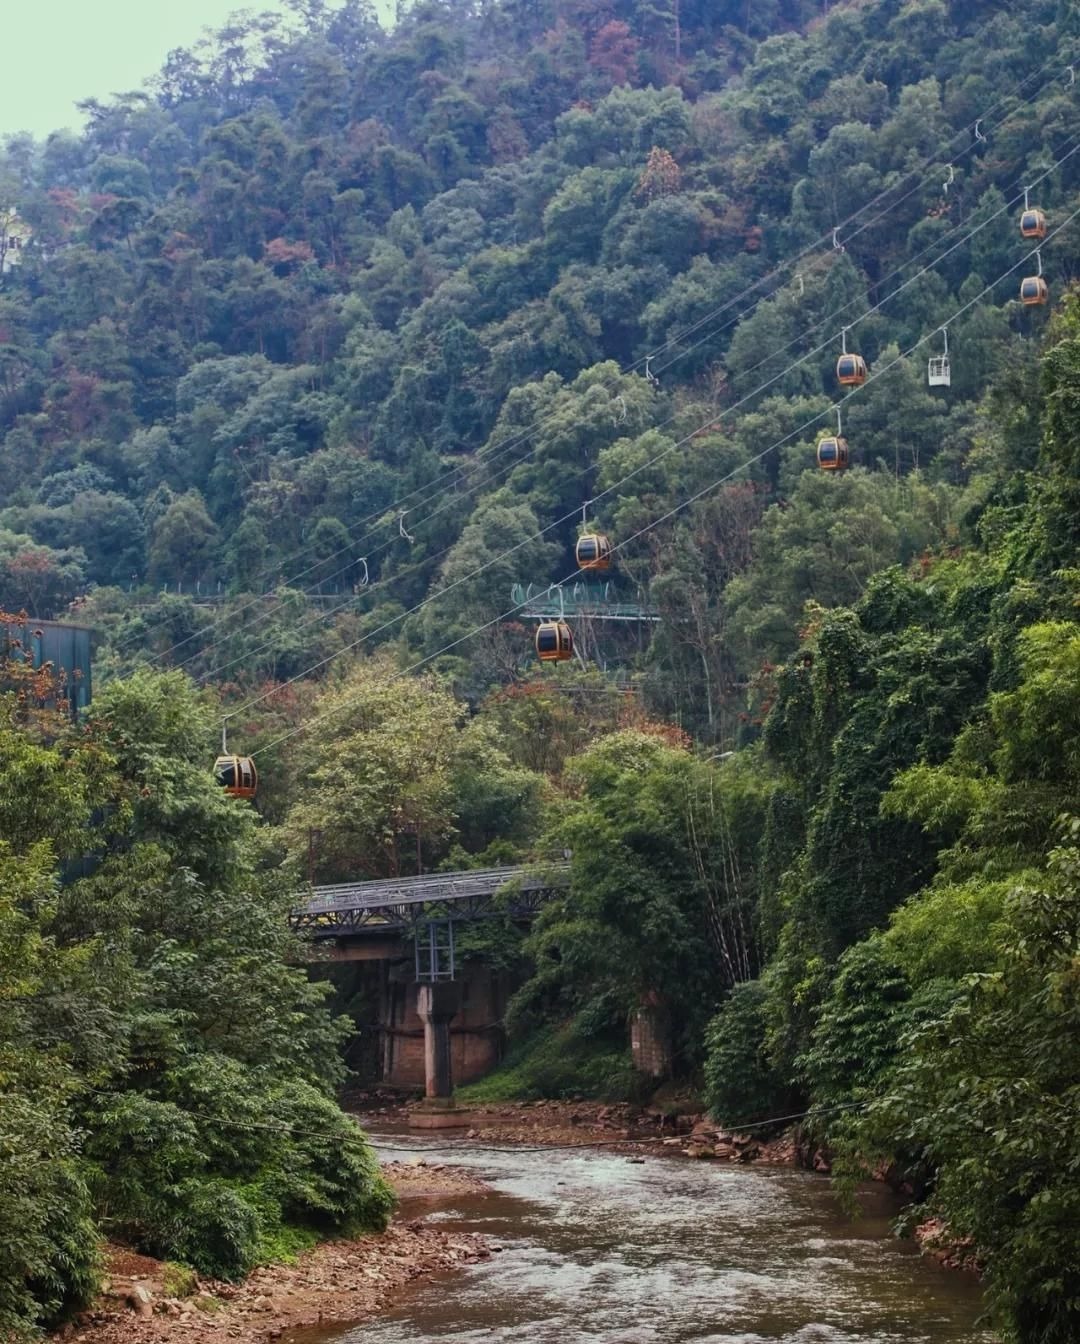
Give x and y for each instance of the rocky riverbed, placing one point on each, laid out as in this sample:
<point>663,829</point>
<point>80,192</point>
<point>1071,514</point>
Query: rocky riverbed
<point>141,1301</point>
<point>619,1127</point>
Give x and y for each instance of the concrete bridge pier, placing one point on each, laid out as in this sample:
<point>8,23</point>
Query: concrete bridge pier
<point>437,1005</point>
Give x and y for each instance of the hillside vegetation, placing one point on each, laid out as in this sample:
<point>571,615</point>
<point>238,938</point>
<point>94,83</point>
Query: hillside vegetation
<point>333,336</point>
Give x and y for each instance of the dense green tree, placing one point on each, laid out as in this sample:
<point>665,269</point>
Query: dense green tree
<point>383,770</point>
<point>659,903</point>
<point>825,545</point>
<point>48,1240</point>
<point>185,541</point>
<point>974,1089</point>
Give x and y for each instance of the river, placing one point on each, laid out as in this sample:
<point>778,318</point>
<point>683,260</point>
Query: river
<point>599,1250</point>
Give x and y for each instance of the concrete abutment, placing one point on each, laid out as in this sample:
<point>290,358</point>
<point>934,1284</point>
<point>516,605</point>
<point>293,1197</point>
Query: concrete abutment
<point>434,1037</point>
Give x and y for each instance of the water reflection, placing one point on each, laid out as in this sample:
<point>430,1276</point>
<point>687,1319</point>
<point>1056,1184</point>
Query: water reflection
<point>600,1251</point>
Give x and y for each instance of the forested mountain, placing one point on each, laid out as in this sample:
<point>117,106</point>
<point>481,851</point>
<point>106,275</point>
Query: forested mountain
<point>320,274</point>
<point>334,337</point>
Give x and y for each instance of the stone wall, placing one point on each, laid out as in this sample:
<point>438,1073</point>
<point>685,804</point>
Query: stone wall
<point>650,1041</point>
<point>475,1033</point>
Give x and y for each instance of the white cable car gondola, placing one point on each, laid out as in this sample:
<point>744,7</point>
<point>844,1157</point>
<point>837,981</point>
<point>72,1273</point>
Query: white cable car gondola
<point>938,370</point>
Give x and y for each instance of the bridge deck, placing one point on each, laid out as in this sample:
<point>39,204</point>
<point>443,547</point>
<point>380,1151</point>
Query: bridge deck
<point>402,903</point>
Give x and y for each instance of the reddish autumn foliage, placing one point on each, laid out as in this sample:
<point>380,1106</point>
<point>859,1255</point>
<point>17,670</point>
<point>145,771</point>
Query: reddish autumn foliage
<point>661,176</point>
<point>38,697</point>
<point>283,256</point>
<point>613,52</point>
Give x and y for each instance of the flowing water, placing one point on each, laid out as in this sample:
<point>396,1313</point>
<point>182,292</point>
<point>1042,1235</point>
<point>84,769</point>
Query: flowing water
<point>598,1250</point>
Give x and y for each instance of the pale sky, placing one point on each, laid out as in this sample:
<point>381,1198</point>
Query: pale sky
<point>57,52</point>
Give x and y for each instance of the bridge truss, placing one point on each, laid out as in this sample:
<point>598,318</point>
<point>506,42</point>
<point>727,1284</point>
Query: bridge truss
<point>591,601</point>
<point>410,904</point>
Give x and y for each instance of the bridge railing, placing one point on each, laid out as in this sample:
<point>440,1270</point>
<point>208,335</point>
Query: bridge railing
<point>432,887</point>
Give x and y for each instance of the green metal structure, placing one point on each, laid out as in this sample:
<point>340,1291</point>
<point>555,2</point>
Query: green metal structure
<point>66,647</point>
<point>597,601</point>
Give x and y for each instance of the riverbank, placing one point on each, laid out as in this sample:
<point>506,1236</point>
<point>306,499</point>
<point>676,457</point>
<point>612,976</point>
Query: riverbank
<point>617,1127</point>
<point>336,1281</point>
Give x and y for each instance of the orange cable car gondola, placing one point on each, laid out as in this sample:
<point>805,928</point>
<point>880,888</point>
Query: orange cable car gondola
<point>1033,288</point>
<point>554,642</point>
<point>593,551</point>
<point>850,368</point>
<point>1033,224</point>
<point>851,371</point>
<point>832,453</point>
<point>1032,220</point>
<point>236,775</point>
<point>832,450</point>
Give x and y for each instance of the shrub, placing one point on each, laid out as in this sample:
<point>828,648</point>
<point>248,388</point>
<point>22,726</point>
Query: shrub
<point>257,1174</point>
<point>209,1224</point>
<point>742,1087</point>
<point>49,1262</point>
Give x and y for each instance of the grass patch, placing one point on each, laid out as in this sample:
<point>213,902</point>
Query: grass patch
<point>284,1244</point>
<point>558,1063</point>
<point>179,1280</point>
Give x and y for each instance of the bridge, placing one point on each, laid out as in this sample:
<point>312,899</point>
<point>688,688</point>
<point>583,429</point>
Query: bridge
<point>407,904</point>
<point>594,601</point>
<point>432,1024</point>
<point>435,1019</point>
